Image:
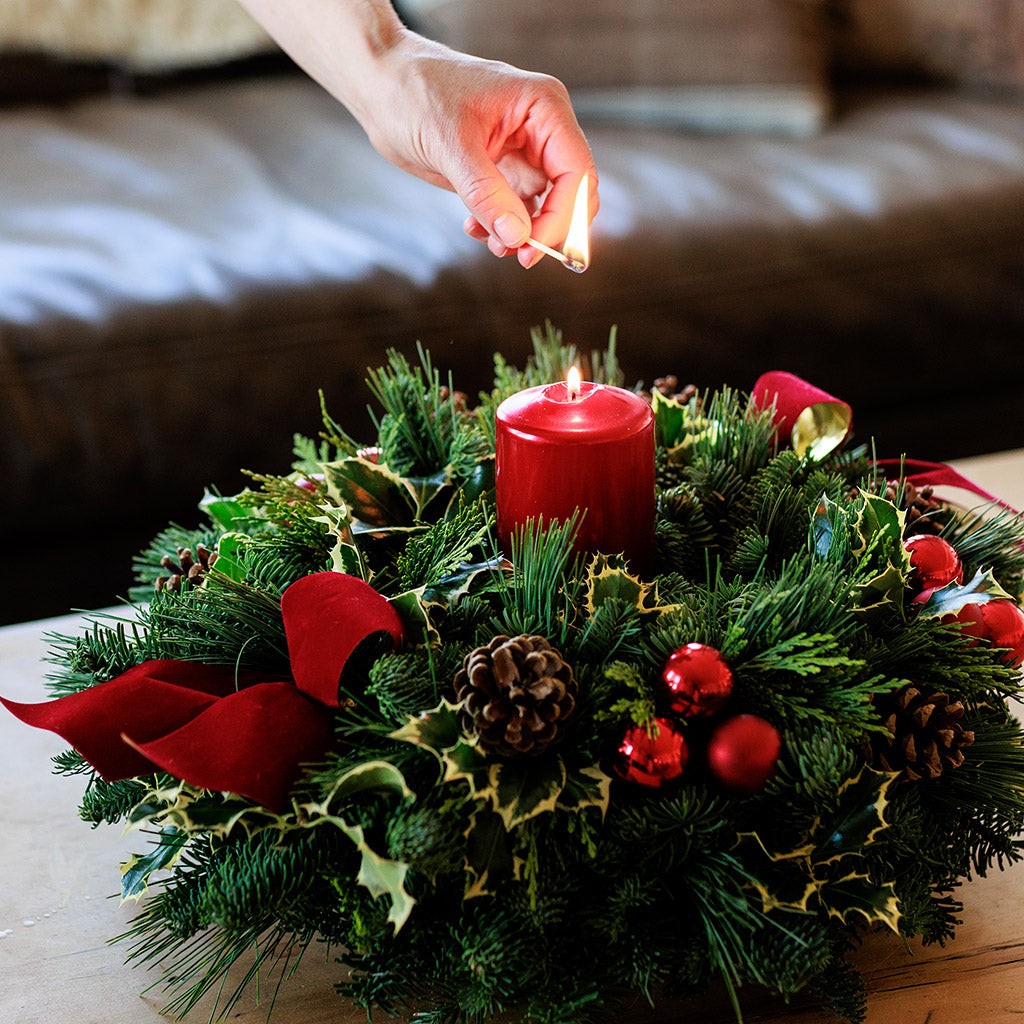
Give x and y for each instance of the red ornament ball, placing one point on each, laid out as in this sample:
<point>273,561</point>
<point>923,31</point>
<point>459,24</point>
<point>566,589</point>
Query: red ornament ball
<point>1000,621</point>
<point>697,680</point>
<point>743,752</point>
<point>934,562</point>
<point>652,759</point>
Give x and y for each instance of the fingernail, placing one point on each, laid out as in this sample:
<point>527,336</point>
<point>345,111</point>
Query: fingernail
<point>511,230</point>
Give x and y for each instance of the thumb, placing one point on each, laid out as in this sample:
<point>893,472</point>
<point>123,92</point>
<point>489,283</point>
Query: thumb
<point>491,200</point>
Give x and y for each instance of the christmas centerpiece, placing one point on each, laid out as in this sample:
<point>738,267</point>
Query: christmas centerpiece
<point>572,698</point>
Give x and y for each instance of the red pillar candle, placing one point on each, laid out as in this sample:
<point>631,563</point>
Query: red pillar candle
<point>558,450</point>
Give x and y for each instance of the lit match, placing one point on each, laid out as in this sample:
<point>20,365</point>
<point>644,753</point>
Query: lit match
<point>575,253</point>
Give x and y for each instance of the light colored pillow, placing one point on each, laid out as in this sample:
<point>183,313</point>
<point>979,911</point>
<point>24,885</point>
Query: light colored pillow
<point>970,42</point>
<point>145,35</point>
<point>711,64</point>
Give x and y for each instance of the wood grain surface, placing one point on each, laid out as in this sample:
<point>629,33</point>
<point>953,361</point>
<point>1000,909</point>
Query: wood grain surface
<point>57,912</point>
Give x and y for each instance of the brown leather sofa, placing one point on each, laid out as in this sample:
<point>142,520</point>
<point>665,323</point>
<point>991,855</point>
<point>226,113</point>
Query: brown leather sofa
<point>182,270</point>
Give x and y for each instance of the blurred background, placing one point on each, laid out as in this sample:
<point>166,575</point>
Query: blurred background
<point>195,239</point>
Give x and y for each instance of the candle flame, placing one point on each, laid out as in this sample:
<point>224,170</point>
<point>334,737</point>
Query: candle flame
<point>577,241</point>
<point>573,383</point>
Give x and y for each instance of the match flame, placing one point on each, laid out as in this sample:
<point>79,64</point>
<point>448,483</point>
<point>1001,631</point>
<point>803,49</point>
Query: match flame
<point>573,383</point>
<point>577,241</point>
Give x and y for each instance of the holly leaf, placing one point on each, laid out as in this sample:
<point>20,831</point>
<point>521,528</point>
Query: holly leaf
<point>879,519</point>
<point>585,787</point>
<point>229,555</point>
<point>489,861</point>
<point>415,615</point>
<point>424,489</point>
<point>436,730</point>
<point>466,579</point>
<point>828,517</point>
<point>381,876</point>
<point>136,870</point>
<point>523,788</point>
<point>372,493</point>
<point>224,512</point>
<point>857,894</point>
<point>669,419</point>
<point>948,600</point>
<point>479,482</point>
<point>345,555</point>
<point>859,818</point>
<point>608,580</point>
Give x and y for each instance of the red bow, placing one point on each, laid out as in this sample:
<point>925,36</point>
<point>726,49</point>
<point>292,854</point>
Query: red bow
<point>210,726</point>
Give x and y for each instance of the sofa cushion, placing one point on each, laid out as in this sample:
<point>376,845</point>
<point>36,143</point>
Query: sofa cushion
<point>730,64</point>
<point>977,43</point>
<point>141,34</point>
<point>180,274</point>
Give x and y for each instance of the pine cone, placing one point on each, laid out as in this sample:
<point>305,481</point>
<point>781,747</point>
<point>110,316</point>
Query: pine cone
<point>185,568</point>
<point>923,735</point>
<point>669,387</point>
<point>516,695</point>
<point>925,514</point>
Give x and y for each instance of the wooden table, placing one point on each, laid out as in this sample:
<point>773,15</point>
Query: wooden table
<point>57,874</point>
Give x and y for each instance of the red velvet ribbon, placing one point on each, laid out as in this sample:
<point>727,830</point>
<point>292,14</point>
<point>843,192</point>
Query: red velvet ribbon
<point>245,733</point>
<point>935,474</point>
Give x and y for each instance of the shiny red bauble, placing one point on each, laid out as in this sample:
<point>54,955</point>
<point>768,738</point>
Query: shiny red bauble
<point>696,680</point>
<point>934,562</point>
<point>1000,622</point>
<point>652,759</point>
<point>743,753</point>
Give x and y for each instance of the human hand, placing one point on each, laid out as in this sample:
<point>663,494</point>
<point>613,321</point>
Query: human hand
<point>505,140</point>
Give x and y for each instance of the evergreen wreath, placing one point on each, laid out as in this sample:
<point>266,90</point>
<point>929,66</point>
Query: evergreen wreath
<point>546,785</point>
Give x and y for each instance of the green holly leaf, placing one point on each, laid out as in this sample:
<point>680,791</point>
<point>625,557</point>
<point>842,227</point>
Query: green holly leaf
<point>224,512</point>
<point>415,615</point>
<point>230,547</point>
<point>479,482</point>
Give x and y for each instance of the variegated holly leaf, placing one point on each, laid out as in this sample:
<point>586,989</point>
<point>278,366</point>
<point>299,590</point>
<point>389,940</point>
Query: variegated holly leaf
<point>859,818</point>
<point>523,788</point>
<point>608,579</point>
<point>345,555</point>
<point>437,730</point>
<point>467,579</point>
<point>670,419</point>
<point>489,859</point>
<point>372,493</point>
<point>878,518</point>
<point>585,787</point>
<point>950,599</point>
<point>857,895</point>
<point>136,870</point>
<point>382,876</point>
<point>415,615</point>
<point>425,489</point>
